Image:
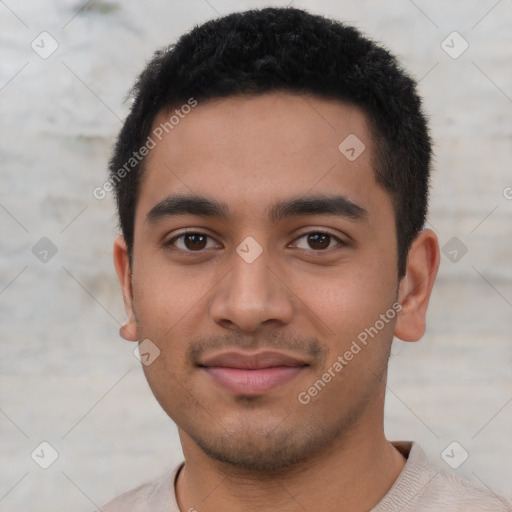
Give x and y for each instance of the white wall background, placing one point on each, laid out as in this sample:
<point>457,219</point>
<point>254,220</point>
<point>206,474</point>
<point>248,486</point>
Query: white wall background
<point>67,377</point>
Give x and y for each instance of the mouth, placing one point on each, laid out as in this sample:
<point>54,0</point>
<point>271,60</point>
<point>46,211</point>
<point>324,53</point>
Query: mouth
<point>252,374</point>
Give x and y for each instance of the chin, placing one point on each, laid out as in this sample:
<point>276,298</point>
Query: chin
<point>267,450</point>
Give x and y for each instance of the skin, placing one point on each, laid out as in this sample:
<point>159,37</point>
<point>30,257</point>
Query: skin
<point>271,452</point>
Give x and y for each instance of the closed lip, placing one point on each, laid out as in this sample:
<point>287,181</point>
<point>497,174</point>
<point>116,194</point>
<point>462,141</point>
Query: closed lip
<point>251,361</point>
<point>252,374</point>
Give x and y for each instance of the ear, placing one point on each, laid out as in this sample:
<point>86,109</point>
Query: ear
<point>416,286</point>
<point>122,263</point>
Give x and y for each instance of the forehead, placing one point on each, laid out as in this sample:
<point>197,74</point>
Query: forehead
<point>247,151</point>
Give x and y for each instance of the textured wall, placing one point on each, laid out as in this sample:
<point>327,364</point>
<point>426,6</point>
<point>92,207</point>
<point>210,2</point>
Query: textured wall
<point>67,377</point>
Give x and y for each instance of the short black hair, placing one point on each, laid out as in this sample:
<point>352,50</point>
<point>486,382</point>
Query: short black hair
<point>288,50</point>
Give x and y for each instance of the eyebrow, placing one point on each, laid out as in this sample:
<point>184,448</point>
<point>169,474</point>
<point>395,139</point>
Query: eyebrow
<point>319,204</point>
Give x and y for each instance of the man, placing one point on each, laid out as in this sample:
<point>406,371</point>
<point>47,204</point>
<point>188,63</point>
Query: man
<point>271,182</point>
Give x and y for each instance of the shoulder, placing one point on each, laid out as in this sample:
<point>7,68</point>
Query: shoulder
<point>421,486</point>
<point>134,500</point>
<point>154,496</point>
<point>457,494</point>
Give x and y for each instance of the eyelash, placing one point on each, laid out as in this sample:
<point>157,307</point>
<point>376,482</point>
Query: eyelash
<point>170,243</point>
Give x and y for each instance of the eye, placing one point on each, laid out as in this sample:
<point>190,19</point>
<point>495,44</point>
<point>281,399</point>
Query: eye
<point>319,240</point>
<point>195,241</point>
<point>190,241</point>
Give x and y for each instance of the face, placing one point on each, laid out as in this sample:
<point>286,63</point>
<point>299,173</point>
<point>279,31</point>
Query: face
<point>265,271</point>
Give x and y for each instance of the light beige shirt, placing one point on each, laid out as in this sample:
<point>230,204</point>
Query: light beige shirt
<point>419,488</point>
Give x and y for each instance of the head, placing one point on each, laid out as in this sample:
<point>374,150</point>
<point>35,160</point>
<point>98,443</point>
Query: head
<point>294,152</point>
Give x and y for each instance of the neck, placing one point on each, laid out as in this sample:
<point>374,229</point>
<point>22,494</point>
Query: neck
<point>353,473</point>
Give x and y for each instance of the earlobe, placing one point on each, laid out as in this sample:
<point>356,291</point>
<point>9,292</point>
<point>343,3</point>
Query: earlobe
<point>416,286</point>
<point>122,264</point>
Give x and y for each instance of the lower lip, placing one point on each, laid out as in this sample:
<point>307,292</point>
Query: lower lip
<point>252,382</point>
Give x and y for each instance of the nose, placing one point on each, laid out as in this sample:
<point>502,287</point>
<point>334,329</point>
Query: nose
<point>251,294</point>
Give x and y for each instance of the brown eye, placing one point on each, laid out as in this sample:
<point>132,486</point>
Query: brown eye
<point>194,241</point>
<point>189,242</point>
<point>319,241</point>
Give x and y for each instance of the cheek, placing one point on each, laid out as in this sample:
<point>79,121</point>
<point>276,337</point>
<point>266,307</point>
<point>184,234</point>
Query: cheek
<point>354,306</point>
<point>168,387</point>
<point>169,305</point>
<point>350,296</point>
<point>163,296</point>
